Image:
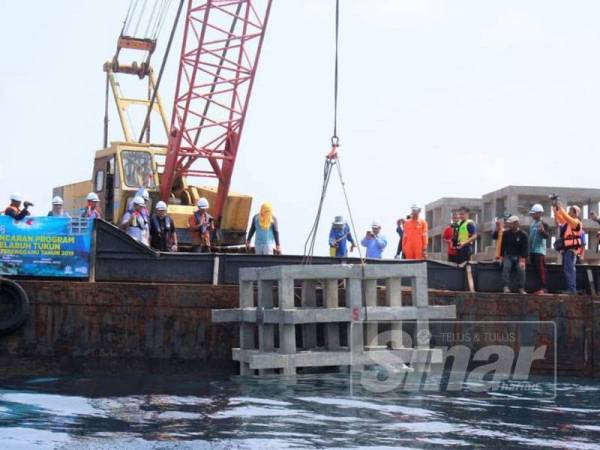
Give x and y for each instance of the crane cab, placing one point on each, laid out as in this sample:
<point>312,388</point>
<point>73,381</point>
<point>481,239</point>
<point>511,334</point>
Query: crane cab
<point>121,169</point>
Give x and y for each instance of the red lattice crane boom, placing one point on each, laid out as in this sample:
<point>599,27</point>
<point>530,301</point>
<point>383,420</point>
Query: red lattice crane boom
<point>222,42</point>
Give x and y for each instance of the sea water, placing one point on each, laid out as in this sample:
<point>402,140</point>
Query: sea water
<point>307,411</point>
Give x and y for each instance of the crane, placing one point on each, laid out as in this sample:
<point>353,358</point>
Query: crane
<point>217,67</point>
<point>220,51</point>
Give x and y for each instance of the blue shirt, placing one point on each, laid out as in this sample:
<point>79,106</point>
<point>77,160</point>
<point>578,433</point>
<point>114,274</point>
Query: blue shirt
<point>341,236</point>
<point>374,246</point>
<point>537,242</point>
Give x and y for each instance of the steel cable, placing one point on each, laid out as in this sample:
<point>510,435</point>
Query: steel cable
<point>151,20</point>
<point>330,161</point>
<point>139,21</point>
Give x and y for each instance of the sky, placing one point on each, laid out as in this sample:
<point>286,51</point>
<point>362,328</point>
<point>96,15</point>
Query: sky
<point>438,98</point>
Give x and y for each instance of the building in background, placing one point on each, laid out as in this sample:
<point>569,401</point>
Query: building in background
<point>516,200</point>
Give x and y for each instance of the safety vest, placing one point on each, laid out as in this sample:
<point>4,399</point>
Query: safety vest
<point>137,220</point>
<point>572,237</point>
<point>12,208</point>
<point>156,223</point>
<point>463,231</point>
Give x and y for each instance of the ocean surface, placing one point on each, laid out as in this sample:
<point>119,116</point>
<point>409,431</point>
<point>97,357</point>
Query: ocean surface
<point>310,411</point>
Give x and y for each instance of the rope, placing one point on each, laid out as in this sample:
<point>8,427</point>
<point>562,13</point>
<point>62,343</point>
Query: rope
<point>350,216</point>
<point>309,245</point>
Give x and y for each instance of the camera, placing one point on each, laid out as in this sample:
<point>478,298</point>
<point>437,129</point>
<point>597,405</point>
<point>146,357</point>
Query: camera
<point>27,204</point>
<point>553,197</point>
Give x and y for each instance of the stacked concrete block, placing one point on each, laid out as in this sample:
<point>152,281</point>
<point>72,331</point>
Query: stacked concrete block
<point>270,314</point>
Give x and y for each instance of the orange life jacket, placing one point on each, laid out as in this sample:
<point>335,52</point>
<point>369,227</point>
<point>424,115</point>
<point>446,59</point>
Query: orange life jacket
<point>572,237</point>
<point>13,208</point>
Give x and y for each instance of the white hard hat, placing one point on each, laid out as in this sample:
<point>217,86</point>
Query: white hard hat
<point>92,197</point>
<point>376,224</point>
<point>139,200</point>
<point>161,206</point>
<point>537,208</point>
<point>16,197</point>
<point>143,193</point>
<point>203,203</point>
<point>512,219</point>
<point>415,208</point>
<point>57,200</point>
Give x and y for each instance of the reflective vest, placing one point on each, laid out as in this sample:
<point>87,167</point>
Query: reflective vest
<point>572,237</point>
<point>463,231</point>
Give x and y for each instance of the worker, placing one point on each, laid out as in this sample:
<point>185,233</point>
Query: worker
<point>264,224</point>
<point>467,235</point>
<point>400,230</point>
<point>14,208</point>
<point>539,233</point>
<point>339,236</point>
<point>570,241</point>
<point>201,225</point>
<point>414,242</point>
<point>374,241</point>
<point>141,192</point>
<point>450,236</point>
<point>91,211</point>
<point>514,251</point>
<point>57,208</point>
<point>134,223</point>
<point>163,236</point>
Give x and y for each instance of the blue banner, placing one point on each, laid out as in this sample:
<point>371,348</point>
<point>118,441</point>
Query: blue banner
<point>46,246</point>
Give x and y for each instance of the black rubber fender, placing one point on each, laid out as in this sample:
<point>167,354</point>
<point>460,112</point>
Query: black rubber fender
<point>11,290</point>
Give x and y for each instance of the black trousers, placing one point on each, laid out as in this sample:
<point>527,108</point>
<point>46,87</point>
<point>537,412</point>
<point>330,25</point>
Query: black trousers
<point>539,262</point>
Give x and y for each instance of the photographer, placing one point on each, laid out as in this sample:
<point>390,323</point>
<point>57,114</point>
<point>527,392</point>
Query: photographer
<point>14,209</point>
<point>134,222</point>
<point>569,242</point>
<point>374,242</point>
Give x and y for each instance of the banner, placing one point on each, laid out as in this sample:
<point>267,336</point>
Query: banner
<point>45,246</point>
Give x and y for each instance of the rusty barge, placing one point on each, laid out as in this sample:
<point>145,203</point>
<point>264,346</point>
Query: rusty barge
<point>143,311</point>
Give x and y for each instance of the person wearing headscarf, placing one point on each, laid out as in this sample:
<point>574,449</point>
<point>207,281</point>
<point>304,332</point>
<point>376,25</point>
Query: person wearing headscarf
<point>264,226</point>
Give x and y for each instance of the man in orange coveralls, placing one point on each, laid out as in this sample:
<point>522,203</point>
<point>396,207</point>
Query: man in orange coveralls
<point>414,242</point>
